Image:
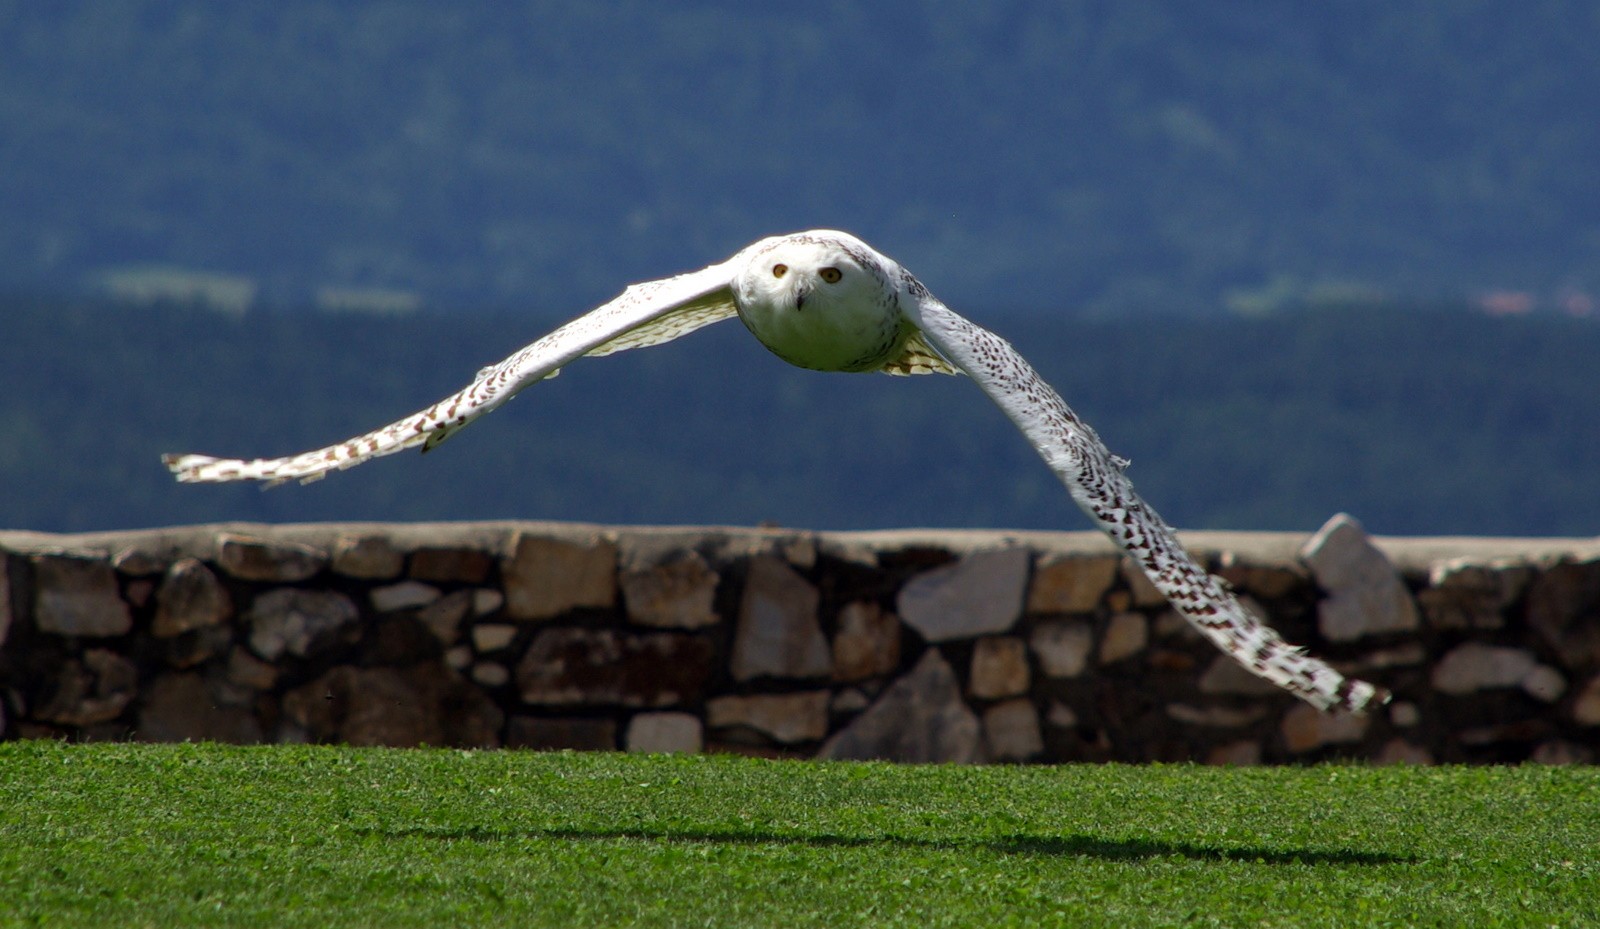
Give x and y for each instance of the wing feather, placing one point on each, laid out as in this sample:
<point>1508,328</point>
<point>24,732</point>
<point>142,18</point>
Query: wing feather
<point>919,357</point>
<point>644,314</point>
<point>1095,480</point>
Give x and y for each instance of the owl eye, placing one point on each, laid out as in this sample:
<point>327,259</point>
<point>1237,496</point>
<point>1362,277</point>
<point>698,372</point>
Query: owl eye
<point>780,270</point>
<point>831,275</point>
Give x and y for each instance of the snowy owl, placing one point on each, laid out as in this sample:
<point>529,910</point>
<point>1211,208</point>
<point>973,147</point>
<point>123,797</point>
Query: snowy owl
<point>827,301</point>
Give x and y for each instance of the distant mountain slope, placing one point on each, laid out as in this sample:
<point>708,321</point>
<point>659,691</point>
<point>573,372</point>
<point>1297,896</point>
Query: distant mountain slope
<point>1148,154</point>
<point>1417,422</point>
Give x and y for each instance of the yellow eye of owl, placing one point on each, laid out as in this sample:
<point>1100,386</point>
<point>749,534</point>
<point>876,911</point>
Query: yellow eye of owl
<point>831,275</point>
<point>780,270</point>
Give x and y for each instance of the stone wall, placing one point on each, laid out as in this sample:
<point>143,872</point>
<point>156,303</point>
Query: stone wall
<point>915,645</point>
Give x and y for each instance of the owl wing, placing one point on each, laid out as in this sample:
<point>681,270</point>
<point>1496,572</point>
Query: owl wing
<point>918,357</point>
<point>644,314</point>
<point>1095,480</point>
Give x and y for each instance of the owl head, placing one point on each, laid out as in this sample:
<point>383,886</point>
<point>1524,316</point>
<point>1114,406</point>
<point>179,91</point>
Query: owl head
<point>821,300</point>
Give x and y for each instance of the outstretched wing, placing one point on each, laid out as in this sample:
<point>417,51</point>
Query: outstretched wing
<point>644,314</point>
<point>1094,478</point>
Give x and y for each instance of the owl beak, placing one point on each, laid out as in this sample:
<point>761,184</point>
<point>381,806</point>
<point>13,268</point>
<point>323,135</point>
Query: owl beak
<point>802,290</point>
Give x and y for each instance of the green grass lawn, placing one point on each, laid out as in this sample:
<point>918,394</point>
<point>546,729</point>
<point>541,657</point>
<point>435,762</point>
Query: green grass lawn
<point>206,835</point>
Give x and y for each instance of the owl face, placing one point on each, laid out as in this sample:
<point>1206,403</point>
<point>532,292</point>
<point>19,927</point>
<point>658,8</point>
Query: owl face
<point>819,300</point>
<point>811,271</point>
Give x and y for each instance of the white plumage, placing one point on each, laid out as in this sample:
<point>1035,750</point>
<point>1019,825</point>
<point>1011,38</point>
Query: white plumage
<point>825,300</point>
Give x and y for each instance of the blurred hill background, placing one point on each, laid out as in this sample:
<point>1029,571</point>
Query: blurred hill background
<point>1421,421</point>
<point>1033,154</point>
<point>1290,258</point>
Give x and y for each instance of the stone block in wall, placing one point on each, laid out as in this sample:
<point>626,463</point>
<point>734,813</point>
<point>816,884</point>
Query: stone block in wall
<point>1365,594</point>
<point>137,591</point>
<point>1399,751</point>
<point>93,689</point>
<point>1142,593</point>
<point>1172,661</point>
<point>1563,603</point>
<point>1474,666</point>
<point>786,718</point>
<point>674,594</point>
<point>1562,752</point>
<point>867,643</point>
<point>490,674</point>
<point>1169,623</point>
<point>1226,676</point>
<point>578,734</point>
<point>252,559</point>
<point>1516,731</point>
<point>1267,581</point>
<point>190,597</point>
<point>1586,708</point>
<point>491,637</point>
<point>1215,717</point>
<point>197,646</point>
<point>295,621</point>
<point>778,634</point>
<point>920,718</point>
<point>999,668</point>
<point>1306,728</point>
<point>1244,753</point>
<point>135,562</point>
<point>367,557</point>
<point>979,595</point>
<point>424,704</point>
<point>6,611</point>
<point>1011,731</point>
<point>486,600</point>
<point>1403,655</point>
<point>403,595</point>
<point>1126,636</point>
<point>603,667</point>
<point>451,565</point>
<point>799,550</point>
<point>181,708</point>
<point>1070,583</point>
<point>1404,714</point>
<point>849,701</point>
<point>443,616</point>
<point>1062,647</point>
<point>545,577</point>
<point>1467,595</point>
<point>77,597</point>
<point>665,733</point>
<point>1061,715</point>
<point>247,671</point>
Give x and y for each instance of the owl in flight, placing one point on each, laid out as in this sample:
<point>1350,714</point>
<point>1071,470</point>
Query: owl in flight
<point>827,301</point>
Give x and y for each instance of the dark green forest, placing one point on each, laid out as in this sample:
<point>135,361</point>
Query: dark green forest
<point>1137,155</point>
<point>1417,420</point>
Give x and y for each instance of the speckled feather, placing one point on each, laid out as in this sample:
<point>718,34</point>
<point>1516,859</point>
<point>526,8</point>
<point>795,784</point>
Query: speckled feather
<point>1094,478</point>
<point>897,327</point>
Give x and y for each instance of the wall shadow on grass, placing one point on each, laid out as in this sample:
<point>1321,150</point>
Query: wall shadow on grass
<point>1083,846</point>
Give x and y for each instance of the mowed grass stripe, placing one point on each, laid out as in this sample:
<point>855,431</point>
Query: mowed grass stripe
<point>210,835</point>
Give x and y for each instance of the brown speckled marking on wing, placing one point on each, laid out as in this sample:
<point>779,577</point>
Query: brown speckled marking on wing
<point>1094,478</point>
